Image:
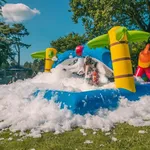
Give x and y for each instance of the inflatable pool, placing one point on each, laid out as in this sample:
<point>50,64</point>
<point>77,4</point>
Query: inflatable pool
<point>91,101</point>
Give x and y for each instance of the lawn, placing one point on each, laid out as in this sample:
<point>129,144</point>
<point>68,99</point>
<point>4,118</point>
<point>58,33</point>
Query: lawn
<point>122,137</point>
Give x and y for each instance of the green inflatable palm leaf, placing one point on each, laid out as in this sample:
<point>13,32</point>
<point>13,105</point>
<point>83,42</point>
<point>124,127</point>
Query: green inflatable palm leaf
<point>40,55</point>
<point>138,36</point>
<point>120,33</point>
<point>132,36</point>
<point>51,54</point>
<point>99,41</point>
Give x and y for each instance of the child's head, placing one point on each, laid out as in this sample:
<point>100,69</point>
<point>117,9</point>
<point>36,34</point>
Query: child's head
<point>88,60</point>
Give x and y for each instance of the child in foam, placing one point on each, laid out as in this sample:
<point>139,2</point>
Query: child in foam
<point>91,71</point>
<point>144,62</point>
<point>88,69</point>
<point>88,78</point>
<point>95,77</point>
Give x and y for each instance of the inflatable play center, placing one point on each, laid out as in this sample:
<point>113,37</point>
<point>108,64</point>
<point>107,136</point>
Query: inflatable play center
<point>99,66</point>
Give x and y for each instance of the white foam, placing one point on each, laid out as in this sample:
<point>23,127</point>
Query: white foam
<point>88,142</point>
<point>142,131</point>
<point>114,139</point>
<point>21,111</point>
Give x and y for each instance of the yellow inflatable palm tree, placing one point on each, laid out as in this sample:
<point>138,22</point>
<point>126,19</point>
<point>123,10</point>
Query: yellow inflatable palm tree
<point>48,54</point>
<point>118,38</point>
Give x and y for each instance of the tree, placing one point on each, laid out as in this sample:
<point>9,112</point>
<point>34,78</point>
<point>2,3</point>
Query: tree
<point>98,16</point>
<point>135,49</point>
<point>13,63</point>
<point>27,64</point>
<point>1,4</point>
<point>5,53</point>
<point>37,65</point>
<point>5,65</point>
<point>14,34</point>
<point>5,50</point>
<point>28,73</point>
<point>68,42</point>
<point>18,31</point>
<point>11,39</point>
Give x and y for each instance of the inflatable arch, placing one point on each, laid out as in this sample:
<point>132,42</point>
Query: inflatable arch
<point>101,54</point>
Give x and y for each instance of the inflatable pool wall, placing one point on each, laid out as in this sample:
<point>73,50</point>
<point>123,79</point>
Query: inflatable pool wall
<point>91,101</point>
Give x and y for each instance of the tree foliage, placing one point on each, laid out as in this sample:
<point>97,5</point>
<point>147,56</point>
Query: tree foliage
<point>68,42</point>
<point>13,35</point>
<point>98,16</point>
<point>5,50</point>
<point>36,66</point>
<point>27,64</point>
<point>5,53</point>
<point>135,49</point>
<point>2,2</point>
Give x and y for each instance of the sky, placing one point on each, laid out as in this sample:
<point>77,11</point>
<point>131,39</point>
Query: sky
<point>45,20</point>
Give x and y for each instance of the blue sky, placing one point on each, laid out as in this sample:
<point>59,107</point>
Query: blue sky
<point>53,21</point>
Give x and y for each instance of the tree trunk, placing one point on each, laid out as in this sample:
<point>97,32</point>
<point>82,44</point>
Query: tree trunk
<point>18,55</point>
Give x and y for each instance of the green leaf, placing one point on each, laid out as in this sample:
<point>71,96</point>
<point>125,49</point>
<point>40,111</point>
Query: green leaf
<point>138,36</point>
<point>51,54</point>
<point>40,55</point>
<point>120,33</point>
<point>99,41</point>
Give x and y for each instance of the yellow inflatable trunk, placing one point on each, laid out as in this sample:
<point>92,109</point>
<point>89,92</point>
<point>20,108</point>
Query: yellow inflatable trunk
<point>121,60</point>
<point>48,61</point>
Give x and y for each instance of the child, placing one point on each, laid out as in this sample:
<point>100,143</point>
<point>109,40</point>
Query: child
<point>88,77</point>
<point>95,77</point>
<point>87,64</point>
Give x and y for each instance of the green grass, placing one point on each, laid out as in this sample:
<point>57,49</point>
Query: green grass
<point>127,136</point>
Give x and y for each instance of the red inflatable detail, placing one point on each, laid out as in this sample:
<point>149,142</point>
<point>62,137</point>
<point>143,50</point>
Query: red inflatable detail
<point>79,50</point>
<point>141,71</point>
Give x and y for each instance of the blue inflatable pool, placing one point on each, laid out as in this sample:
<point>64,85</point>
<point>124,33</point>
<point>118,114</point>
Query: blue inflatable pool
<point>91,101</point>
